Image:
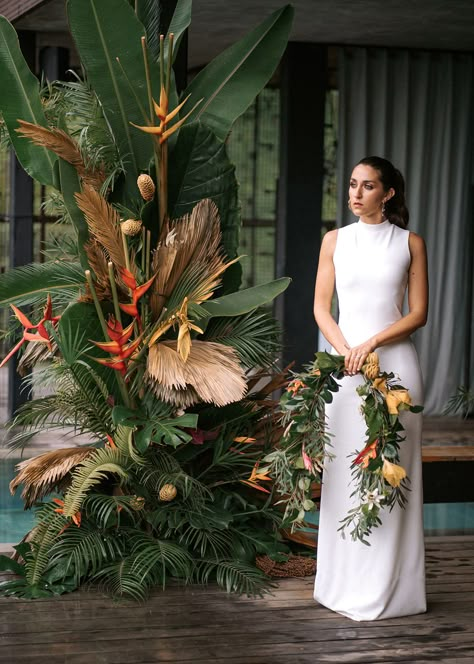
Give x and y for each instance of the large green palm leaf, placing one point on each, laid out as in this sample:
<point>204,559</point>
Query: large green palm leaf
<point>29,284</point>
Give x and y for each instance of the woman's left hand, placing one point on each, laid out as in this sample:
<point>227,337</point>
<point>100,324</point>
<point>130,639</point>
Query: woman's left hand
<point>356,357</point>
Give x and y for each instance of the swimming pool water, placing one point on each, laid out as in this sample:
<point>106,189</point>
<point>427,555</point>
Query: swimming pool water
<point>15,522</point>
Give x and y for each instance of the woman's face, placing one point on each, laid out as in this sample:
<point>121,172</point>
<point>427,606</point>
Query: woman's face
<point>366,192</point>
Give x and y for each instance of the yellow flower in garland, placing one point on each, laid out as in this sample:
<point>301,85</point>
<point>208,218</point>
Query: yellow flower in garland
<point>393,473</point>
<point>380,384</point>
<point>395,398</point>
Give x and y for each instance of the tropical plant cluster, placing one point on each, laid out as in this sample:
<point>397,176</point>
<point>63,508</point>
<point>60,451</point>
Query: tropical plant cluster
<point>297,463</point>
<point>138,326</point>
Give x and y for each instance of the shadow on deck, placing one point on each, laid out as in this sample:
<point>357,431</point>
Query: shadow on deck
<point>204,625</point>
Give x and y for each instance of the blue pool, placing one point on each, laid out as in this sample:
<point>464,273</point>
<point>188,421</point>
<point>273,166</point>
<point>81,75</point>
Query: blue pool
<point>439,518</point>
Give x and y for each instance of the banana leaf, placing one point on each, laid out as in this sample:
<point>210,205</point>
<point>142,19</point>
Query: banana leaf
<point>230,83</point>
<point>246,300</point>
<point>148,12</point>
<point>70,185</point>
<point>104,30</point>
<point>20,99</point>
<point>29,284</point>
<point>200,168</point>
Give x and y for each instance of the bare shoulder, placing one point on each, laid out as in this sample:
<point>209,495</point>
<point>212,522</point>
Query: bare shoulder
<point>417,244</point>
<point>328,243</point>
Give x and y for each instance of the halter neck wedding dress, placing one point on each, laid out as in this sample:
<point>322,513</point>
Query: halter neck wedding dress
<point>387,578</point>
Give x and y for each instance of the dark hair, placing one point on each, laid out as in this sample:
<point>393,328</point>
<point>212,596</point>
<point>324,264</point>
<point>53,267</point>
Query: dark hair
<point>396,210</point>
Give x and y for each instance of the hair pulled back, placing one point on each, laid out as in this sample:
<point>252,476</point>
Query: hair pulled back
<point>396,210</point>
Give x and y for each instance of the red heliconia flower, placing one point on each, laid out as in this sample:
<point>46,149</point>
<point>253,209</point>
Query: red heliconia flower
<point>41,334</point>
<point>119,347</point>
<point>137,292</point>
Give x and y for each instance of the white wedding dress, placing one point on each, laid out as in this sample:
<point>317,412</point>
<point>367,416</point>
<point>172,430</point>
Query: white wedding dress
<point>387,578</point>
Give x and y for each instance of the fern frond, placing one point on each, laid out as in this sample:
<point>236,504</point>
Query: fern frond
<point>94,469</point>
<point>153,556</point>
<point>234,576</point>
<point>255,337</point>
<point>121,580</point>
<point>43,536</point>
<point>84,551</point>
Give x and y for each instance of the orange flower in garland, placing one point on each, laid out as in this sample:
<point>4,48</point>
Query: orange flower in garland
<point>295,386</point>
<point>368,453</point>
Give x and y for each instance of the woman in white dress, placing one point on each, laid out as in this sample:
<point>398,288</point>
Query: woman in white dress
<point>371,263</point>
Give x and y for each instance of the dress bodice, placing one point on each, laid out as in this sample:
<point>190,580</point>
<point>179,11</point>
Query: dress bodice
<point>371,265</point>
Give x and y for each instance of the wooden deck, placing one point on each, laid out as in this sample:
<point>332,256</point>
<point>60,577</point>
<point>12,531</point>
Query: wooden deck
<point>204,625</point>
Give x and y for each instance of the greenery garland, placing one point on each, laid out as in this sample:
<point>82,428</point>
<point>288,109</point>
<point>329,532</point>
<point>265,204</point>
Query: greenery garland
<point>379,479</point>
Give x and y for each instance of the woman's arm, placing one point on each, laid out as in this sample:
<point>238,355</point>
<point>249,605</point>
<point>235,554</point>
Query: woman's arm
<point>417,305</point>
<point>323,292</point>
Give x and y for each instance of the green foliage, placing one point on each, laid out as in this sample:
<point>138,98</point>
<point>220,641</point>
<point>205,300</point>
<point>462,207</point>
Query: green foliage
<point>255,337</point>
<point>123,98</point>
<point>22,101</point>
<point>164,490</point>
<point>233,79</point>
<point>30,284</point>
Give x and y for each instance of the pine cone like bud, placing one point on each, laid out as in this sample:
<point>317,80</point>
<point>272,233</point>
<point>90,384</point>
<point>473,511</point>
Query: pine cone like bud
<point>371,367</point>
<point>137,503</point>
<point>168,492</point>
<point>146,187</point>
<point>131,226</point>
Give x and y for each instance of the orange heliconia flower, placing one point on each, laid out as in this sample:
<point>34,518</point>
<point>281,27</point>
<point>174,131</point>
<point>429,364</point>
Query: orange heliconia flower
<point>368,453</point>
<point>77,517</point>
<point>295,385</point>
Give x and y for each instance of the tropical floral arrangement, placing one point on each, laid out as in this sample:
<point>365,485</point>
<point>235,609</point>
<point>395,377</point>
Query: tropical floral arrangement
<point>297,463</point>
<point>137,324</point>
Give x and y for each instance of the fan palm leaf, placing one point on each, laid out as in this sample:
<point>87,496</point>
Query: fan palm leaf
<point>121,579</point>
<point>159,556</point>
<point>211,373</point>
<point>41,474</point>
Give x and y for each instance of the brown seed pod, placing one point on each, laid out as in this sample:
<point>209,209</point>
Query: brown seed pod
<point>131,227</point>
<point>137,503</point>
<point>168,492</point>
<point>146,186</point>
<point>371,367</point>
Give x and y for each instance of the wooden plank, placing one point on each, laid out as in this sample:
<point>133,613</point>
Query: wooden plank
<point>435,453</point>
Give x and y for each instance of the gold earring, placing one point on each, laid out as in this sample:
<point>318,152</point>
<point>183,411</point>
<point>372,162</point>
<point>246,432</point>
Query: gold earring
<point>349,204</point>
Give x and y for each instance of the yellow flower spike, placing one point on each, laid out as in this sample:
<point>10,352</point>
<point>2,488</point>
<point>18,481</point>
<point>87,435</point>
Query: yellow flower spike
<point>166,134</point>
<point>395,398</point>
<point>162,328</point>
<point>176,110</point>
<point>393,473</point>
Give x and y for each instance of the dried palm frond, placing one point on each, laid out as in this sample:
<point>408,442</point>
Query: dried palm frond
<point>42,473</point>
<point>98,263</point>
<point>104,224</point>
<point>64,146</point>
<point>211,374</point>
<point>192,241</point>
